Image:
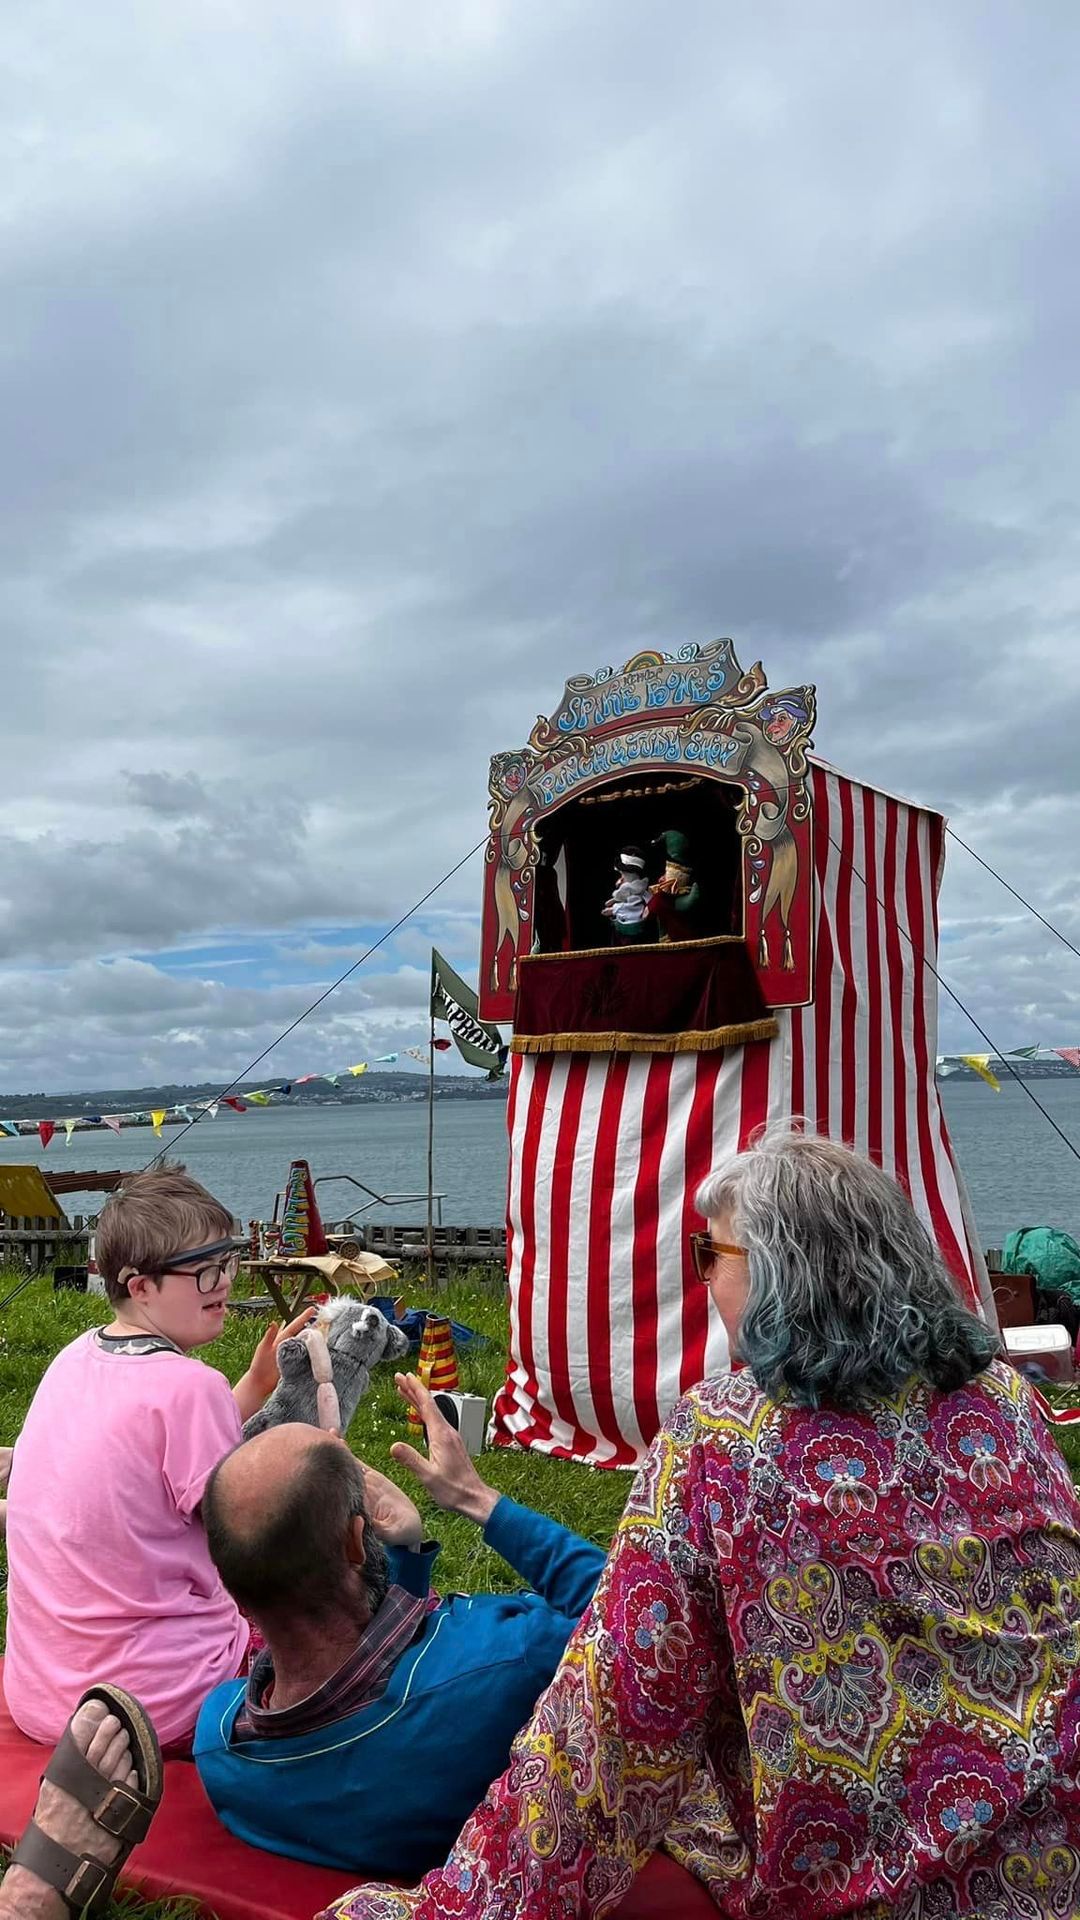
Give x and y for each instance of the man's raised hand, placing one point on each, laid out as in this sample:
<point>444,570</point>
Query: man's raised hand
<point>392,1517</point>
<point>448,1474</point>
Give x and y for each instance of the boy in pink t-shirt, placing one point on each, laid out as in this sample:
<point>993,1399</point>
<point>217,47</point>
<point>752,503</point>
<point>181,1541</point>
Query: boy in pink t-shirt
<point>109,1577</point>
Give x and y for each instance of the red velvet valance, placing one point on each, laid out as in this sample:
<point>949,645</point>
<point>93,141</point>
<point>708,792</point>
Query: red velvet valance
<point>690,996</point>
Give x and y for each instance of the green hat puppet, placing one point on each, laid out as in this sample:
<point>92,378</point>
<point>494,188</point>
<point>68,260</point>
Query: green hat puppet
<point>676,896</point>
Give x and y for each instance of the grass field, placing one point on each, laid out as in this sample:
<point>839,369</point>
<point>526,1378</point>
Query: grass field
<point>40,1322</point>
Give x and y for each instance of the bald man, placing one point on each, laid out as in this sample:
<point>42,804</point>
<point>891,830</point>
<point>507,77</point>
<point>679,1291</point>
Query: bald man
<point>378,1714</point>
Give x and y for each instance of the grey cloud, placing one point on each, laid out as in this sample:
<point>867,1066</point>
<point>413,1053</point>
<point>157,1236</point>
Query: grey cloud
<point>362,383</point>
<point>104,1021</point>
<point>172,795</point>
<point>243,860</point>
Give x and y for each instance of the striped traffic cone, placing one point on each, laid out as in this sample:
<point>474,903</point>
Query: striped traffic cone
<point>437,1349</point>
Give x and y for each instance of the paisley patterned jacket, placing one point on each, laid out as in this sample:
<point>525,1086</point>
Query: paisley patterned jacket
<point>832,1665</point>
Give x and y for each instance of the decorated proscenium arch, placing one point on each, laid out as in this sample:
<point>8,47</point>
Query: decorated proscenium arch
<point>810,995</point>
<point>696,714</point>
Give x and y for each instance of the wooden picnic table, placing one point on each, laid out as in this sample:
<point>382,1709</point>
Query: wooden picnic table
<point>272,1274</point>
<point>316,1274</point>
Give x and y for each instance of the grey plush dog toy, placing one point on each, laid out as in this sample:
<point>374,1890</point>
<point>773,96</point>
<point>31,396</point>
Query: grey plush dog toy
<point>326,1370</point>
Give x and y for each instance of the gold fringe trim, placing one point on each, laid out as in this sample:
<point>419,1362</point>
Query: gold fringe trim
<point>637,946</point>
<point>708,1042</point>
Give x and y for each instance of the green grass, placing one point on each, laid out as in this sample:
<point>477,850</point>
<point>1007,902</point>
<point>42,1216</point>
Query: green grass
<point>35,1327</point>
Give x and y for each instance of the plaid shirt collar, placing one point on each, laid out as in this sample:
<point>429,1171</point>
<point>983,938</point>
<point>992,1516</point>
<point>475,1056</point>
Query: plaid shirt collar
<point>358,1682</point>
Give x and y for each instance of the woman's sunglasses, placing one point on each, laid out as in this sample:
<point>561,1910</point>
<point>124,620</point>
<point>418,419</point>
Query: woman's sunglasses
<point>705,1250</point>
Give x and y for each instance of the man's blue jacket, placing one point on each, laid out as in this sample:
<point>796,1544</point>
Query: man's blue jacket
<point>385,1791</point>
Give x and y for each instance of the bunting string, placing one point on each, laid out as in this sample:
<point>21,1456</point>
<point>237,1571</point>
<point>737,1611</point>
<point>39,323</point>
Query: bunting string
<point>983,1063</point>
<point>186,1113</point>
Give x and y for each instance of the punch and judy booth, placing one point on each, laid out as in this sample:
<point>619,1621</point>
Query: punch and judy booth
<point>695,927</point>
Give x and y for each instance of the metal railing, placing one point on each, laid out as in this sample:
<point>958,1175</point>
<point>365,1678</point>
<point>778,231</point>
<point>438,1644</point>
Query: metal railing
<point>379,1199</point>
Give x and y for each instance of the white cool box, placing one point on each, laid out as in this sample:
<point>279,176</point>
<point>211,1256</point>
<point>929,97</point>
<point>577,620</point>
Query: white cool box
<point>467,1414</point>
<point>1042,1353</point>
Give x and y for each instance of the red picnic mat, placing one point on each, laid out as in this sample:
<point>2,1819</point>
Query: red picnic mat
<point>189,1852</point>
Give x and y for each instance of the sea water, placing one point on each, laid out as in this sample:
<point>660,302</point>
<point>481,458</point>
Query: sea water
<point>1017,1170</point>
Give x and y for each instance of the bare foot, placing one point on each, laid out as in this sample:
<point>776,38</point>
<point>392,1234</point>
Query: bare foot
<point>99,1735</point>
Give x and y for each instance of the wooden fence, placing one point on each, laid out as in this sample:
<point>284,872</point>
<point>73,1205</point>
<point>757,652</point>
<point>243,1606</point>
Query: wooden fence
<point>38,1242</point>
<point>451,1246</point>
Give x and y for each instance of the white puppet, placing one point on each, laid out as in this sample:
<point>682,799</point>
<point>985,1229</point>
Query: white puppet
<point>628,905</point>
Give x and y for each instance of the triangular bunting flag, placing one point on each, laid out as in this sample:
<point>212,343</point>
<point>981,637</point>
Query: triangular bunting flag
<point>416,1053</point>
<point>186,1114</point>
<point>303,1078</point>
<point>945,1066</point>
<point>211,1110</point>
<point>157,1115</point>
<point>385,1059</point>
<point>1024,1053</point>
<point>1070,1055</point>
<point>112,1121</point>
<point>9,1127</point>
<point>46,1129</point>
<point>980,1064</point>
<point>230,1100</point>
<point>360,1067</point>
<point>442,1046</point>
<point>331,1079</point>
<point>285,1088</point>
<point>258,1099</point>
<point>69,1128</point>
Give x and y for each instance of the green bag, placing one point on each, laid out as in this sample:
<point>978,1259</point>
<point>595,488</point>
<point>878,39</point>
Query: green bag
<point>1051,1255</point>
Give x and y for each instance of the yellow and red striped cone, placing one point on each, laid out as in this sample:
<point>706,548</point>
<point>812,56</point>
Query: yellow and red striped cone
<point>437,1350</point>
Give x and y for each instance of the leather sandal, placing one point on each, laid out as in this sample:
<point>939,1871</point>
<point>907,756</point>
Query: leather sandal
<point>121,1811</point>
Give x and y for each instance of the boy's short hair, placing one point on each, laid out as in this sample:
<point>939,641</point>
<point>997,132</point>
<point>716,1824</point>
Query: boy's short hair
<point>155,1213</point>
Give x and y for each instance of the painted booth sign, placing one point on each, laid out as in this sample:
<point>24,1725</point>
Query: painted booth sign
<point>650,684</point>
<point>695,710</point>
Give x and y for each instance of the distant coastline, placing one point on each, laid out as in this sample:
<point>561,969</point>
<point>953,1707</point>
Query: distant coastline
<point>374,1089</point>
<point>139,1103</point>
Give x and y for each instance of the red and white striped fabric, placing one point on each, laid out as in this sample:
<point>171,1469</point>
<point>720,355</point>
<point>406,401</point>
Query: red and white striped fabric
<point>608,1324</point>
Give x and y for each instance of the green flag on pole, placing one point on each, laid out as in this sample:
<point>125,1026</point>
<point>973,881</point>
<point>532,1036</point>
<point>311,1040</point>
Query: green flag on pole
<point>454,1002</point>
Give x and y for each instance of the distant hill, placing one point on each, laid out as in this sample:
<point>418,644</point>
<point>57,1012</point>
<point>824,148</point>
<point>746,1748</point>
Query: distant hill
<point>1024,1070</point>
<point>371,1088</point>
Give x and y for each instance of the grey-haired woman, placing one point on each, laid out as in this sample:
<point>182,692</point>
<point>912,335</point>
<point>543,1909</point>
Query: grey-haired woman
<point>833,1661</point>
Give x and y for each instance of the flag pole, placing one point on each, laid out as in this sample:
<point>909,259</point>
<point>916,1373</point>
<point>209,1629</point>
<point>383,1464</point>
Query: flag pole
<point>431,1155</point>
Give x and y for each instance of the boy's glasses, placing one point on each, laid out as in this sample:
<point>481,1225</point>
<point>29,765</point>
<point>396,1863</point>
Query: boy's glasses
<point>207,1277</point>
<point>706,1250</point>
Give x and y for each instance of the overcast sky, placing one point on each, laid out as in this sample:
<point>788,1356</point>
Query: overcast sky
<point>367,369</point>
